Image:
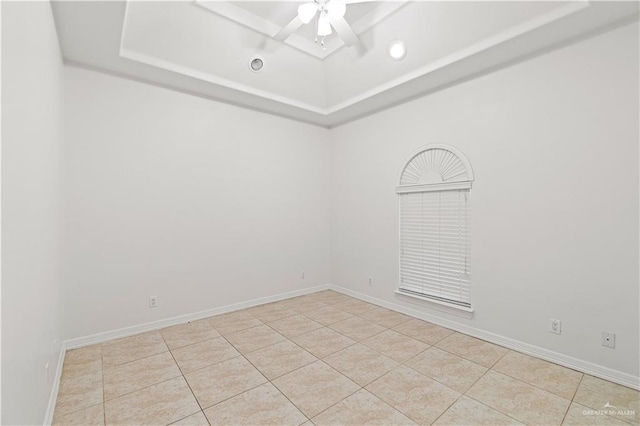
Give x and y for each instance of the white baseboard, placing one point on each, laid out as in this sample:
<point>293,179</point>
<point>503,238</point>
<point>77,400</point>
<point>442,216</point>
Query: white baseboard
<point>53,397</point>
<point>587,367</point>
<point>155,325</point>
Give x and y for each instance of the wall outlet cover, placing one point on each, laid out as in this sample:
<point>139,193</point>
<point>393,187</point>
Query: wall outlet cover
<point>608,340</point>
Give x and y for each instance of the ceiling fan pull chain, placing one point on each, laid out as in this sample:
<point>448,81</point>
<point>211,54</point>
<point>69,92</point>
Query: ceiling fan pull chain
<point>317,18</point>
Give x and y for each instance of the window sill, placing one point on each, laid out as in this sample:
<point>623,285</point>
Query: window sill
<point>450,307</point>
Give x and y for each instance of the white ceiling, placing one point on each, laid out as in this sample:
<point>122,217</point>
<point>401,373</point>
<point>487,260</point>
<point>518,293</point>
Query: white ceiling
<point>203,47</point>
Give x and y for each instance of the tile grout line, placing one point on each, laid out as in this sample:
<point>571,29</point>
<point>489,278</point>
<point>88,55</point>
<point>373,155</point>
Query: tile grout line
<point>282,375</point>
<point>82,408</point>
<point>270,381</point>
<point>480,378</point>
<point>153,384</point>
<point>414,338</point>
<point>142,388</point>
<point>104,403</point>
<point>463,357</point>
<point>258,349</point>
<point>145,387</point>
<point>487,405</point>
<point>317,359</point>
<point>518,380</point>
<point>232,396</point>
<point>333,405</point>
<point>531,384</point>
<point>448,408</point>
<point>187,382</point>
<point>137,359</point>
<point>406,414</point>
<point>209,365</point>
<point>438,380</point>
<point>322,326</point>
<point>534,385</point>
<point>266,378</point>
<point>355,342</point>
<point>287,398</point>
<point>572,399</point>
<point>239,354</point>
<point>344,335</point>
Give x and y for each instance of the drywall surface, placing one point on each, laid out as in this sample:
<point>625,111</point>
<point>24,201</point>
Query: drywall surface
<point>32,88</point>
<point>554,147</point>
<point>199,203</point>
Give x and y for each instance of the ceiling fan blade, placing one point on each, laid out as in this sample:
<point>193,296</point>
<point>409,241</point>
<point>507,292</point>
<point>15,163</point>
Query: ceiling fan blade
<point>344,31</point>
<point>356,1</point>
<point>289,29</point>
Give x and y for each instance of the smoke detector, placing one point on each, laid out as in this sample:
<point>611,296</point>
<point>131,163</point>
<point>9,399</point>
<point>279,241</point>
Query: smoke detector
<point>256,63</point>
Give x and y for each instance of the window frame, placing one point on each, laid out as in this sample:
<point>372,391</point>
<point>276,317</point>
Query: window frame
<point>462,181</point>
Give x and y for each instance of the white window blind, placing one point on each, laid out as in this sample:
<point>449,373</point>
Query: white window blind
<point>434,245</point>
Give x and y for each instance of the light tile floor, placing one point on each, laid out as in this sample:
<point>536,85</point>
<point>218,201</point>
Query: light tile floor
<point>326,359</point>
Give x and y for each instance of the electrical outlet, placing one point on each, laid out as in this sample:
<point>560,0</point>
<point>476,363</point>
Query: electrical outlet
<point>302,275</point>
<point>153,301</point>
<point>609,340</point>
<point>370,281</point>
<point>555,326</point>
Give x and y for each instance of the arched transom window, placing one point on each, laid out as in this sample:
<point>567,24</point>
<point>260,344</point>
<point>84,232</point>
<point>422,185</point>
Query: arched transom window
<point>433,190</point>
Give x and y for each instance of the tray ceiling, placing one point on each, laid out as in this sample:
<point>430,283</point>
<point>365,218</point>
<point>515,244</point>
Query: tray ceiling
<point>203,47</point>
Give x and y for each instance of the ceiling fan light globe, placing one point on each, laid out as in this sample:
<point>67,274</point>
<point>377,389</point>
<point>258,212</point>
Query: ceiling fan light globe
<point>324,26</point>
<point>307,11</point>
<point>336,9</point>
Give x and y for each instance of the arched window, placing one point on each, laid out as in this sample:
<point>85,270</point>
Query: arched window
<point>433,192</point>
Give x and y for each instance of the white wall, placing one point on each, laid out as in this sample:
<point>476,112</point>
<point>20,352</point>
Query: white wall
<point>32,86</point>
<point>554,147</point>
<point>199,203</point>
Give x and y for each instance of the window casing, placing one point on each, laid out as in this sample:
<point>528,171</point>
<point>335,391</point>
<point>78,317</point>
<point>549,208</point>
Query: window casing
<point>434,205</point>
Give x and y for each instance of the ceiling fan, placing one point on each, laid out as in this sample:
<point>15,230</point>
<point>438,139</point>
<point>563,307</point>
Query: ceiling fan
<point>328,14</point>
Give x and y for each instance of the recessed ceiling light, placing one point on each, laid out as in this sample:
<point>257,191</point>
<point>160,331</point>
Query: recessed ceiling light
<point>397,50</point>
<point>256,63</point>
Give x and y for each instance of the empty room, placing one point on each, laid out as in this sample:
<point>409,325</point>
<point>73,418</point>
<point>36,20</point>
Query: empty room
<point>320,212</point>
